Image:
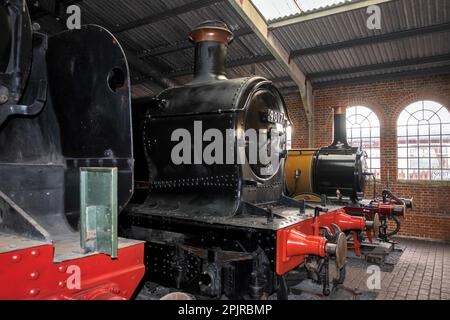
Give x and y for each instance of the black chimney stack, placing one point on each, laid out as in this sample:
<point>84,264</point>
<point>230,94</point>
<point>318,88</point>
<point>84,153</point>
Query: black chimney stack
<point>340,128</point>
<point>211,40</point>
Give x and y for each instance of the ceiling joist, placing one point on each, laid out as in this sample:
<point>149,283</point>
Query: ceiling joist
<point>256,22</point>
<point>381,66</point>
<point>372,39</point>
<point>166,14</point>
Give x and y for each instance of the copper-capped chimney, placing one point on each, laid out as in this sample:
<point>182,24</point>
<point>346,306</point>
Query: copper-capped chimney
<point>340,128</point>
<point>211,40</point>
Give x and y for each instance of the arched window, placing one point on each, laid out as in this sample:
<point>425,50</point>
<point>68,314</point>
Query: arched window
<point>423,138</point>
<point>363,130</point>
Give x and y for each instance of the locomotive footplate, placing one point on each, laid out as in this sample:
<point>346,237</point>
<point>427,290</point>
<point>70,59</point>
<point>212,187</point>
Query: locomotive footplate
<point>213,256</point>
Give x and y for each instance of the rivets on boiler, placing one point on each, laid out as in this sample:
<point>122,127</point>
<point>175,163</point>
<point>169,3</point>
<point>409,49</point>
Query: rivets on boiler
<point>34,275</point>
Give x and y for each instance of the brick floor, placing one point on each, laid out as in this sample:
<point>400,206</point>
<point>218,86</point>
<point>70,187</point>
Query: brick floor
<point>422,273</point>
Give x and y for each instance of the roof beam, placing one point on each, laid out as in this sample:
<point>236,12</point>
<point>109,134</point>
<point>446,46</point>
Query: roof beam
<point>186,44</point>
<point>192,6</point>
<point>380,66</point>
<point>382,77</point>
<point>144,68</point>
<point>317,14</point>
<point>372,39</point>
<point>257,23</point>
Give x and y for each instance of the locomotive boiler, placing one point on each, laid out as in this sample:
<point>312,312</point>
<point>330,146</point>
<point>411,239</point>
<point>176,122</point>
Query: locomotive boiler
<point>338,174</point>
<point>66,163</point>
<point>338,170</point>
<point>216,221</point>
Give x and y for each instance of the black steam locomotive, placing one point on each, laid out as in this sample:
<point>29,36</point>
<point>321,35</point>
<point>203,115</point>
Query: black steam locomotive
<point>66,162</point>
<point>223,227</point>
<point>338,174</point>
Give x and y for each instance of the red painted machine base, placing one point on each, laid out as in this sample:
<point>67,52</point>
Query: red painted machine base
<point>31,274</point>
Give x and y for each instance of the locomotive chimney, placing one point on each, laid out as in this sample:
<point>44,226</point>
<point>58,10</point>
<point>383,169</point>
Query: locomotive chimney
<point>340,128</point>
<point>211,40</point>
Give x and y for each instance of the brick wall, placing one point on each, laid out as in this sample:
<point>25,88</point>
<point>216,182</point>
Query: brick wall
<point>297,116</point>
<point>430,217</point>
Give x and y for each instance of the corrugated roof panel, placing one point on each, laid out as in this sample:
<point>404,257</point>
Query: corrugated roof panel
<point>396,16</point>
<point>144,90</point>
<point>382,72</point>
<point>409,48</point>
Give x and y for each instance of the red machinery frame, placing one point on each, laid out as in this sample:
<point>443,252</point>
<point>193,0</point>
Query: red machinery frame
<point>31,274</point>
<point>296,242</point>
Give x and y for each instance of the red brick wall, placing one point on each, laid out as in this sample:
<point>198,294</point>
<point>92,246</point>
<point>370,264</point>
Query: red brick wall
<point>430,217</point>
<point>298,119</point>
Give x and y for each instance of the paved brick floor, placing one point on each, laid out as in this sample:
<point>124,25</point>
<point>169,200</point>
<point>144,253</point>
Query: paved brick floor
<point>422,273</point>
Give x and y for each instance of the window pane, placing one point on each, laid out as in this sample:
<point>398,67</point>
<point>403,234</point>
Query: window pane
<point>427,114</point>
<point>375,163</point>
<point>435,129</point>
<point>402,142</point>
<point>446,128</point>
<point>402,152</point>
<point>403,118</point>
<point>435,163</point>
<point>446,175</point>
<point>435,119</point>
<point>435,152</point>
<point>425,175</point>
<point>375,132</point>
<point>413,163</point>
<point>413,152</point>
<point>445,163</point>
<point>436,175</point>
<point>446,141</point>
<point>413,130</point>
<point>424,140</point>
<point>375,153</point>
<point>436,141</point>
<point>402,163</point>
<point>443,114</point>
<point>363,130</point>
<point>402,174</point>
<point>401,131</point>
<point>424,130</point>
<point>424,163</point>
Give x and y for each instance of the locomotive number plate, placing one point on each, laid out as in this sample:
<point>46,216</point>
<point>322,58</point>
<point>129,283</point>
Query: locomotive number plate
<point>273,116</point>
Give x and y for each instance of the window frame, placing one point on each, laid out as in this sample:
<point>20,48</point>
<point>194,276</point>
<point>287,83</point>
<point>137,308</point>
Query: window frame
<point>410,152</point>
<point>374,141</point>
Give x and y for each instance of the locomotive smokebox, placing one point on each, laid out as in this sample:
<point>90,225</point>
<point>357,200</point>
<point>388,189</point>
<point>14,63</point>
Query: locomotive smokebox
<point>211,40</point>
